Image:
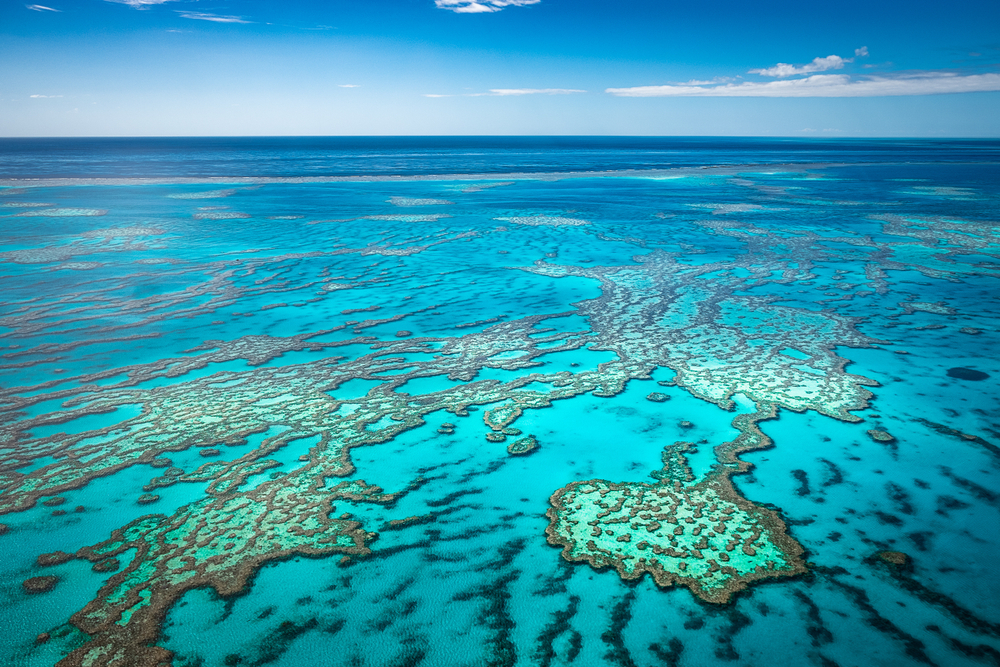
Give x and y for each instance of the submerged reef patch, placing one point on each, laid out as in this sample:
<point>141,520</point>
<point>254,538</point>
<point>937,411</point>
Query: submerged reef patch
<point>63,213</point>
<point>407,201</point>
<point>40,584</point>
<point>879,435</point>
<point>207,194</point>
<point>967,374</point>
<point>704,535</point>
<point>523,446</point>
<point>545,221</point>
<point>221,215</point>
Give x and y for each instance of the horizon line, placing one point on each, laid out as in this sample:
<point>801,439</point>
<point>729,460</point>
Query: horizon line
<point>816,136</point>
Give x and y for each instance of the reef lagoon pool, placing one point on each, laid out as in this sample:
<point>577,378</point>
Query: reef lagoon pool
<point>499,401</point>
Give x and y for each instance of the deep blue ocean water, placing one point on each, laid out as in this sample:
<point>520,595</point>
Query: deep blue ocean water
<point>245,422</point>
<point>383,156</point>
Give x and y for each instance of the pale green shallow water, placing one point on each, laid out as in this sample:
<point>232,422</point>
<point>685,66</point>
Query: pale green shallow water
<point>282,344</point>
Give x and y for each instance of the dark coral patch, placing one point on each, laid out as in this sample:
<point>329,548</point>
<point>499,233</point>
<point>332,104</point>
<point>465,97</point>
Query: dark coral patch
<point>106,565</point>
<point>54,558</point>
<point>967,374</point>
<point>523,446</point>
<point>39,584</point>
<point>896,558</point>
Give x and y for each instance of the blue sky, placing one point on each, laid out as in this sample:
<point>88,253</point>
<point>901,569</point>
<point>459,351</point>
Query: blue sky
<point>425,67</point>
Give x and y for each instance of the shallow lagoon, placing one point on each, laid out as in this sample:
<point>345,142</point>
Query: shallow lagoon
<point>364,515</point>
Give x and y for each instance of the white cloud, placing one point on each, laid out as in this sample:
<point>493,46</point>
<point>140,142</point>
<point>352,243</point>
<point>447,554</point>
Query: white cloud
<point>202,16</point>
<point>480,6</point>
<point>862,52</point>
<point>706,82</point>
<point>139,4</point>
<point>42,8</point>
<point>508,92</point>
<point>503,92</point>
<point>348,85</point>
<point>831,85</point>
<point>817,65</point>
<point>46,96</point>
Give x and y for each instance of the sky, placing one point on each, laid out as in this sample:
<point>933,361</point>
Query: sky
<point>500,67</point>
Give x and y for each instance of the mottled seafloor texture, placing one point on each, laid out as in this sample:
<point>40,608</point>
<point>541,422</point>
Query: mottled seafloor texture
<point>743,416</point>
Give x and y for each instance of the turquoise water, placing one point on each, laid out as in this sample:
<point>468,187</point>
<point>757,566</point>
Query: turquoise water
<point>302,396</point>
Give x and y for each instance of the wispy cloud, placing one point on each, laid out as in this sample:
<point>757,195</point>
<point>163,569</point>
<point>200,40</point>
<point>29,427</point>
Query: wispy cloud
<point>707,82</point>
<point>831,85</point>
<point>504,92</point>
<point>817,65</point>
<point>862,52</point>
<point>348,85</point>
<point>508,92</point>
<point>45,96</point>
<point>216,18</point>
<point>480,6</point>
<point>42,8</point>
<point>139,4</point>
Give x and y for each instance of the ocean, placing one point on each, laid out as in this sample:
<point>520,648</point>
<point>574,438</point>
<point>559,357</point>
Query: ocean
<point>499,401</point>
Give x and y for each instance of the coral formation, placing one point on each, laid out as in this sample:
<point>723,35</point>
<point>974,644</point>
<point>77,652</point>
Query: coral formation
<point>704,536</point>
<point>967,374</point>
<point>545,221</point>
<point>39,584</point>
<point>881,436</point>
<point>523,446</point>
<point>896,558</point>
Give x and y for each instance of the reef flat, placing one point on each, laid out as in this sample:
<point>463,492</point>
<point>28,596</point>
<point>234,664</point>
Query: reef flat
<point>390,421</point>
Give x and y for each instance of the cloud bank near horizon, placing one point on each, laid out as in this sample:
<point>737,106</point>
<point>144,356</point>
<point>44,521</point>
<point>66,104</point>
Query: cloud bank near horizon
<point>830,85</point>
<point>926,82</point>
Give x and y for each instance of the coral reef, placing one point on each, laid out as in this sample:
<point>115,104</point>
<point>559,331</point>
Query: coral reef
<point>881,436</point>
<point>39,584</point>
<point>523,446</point>
<point>406,201</point>
<point>896,558</point>
<point>704,536</point>
<point>545,221</point>
<point>967,374</point>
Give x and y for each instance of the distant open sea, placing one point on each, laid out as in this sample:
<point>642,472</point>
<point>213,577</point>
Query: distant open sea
<point>505,401</point>
<point>410,156</point>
